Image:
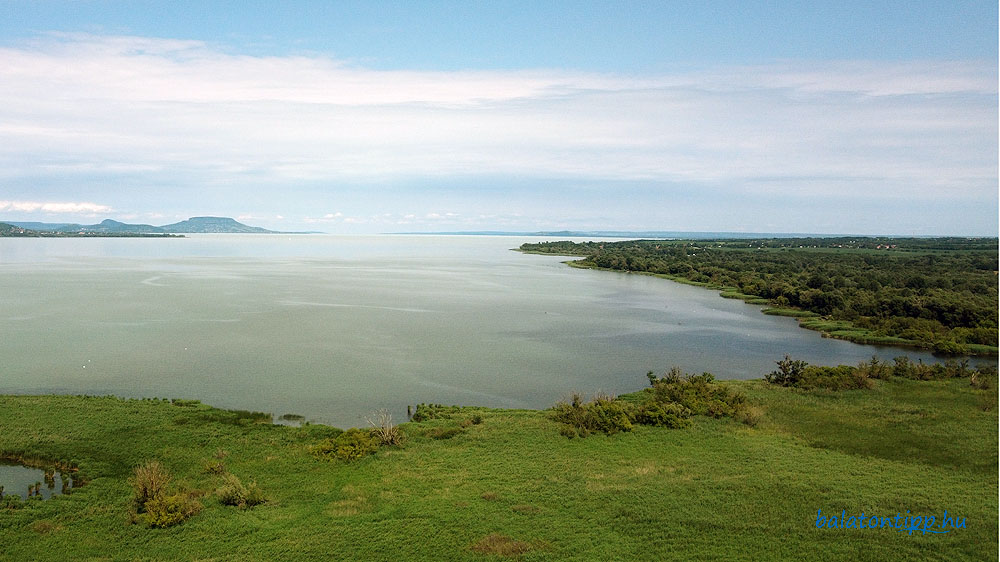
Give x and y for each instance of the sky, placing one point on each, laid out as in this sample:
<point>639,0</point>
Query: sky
<point>366,117</point>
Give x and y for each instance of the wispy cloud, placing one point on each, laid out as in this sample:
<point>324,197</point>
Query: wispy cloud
<point>76,208</point>
<point>98,106</point>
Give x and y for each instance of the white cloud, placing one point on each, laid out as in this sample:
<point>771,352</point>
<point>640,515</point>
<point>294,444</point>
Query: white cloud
<point>82,208</point>
<point>84,105</point>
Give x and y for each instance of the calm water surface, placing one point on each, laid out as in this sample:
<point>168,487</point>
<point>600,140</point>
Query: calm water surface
<point>333,327</point>
<point>16,479</point>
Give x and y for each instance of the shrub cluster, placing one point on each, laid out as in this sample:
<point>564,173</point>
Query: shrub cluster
<point>424,412</point>
<point>234,492</point>
<point>800,374</point>
<point>905,368</point>
<point>698,393</point>
<point>670,401</point>
<point>152,505</point>
<point>603,413</point>
<point>348,445</point>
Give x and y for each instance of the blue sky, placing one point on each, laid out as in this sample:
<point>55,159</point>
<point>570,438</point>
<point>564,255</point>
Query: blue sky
<point>357,117</point>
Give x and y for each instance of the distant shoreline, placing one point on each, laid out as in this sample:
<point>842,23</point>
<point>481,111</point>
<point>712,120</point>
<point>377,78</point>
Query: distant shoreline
<point>675,235</point>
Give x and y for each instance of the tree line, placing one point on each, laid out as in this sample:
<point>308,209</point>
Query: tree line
<point>934,293</point>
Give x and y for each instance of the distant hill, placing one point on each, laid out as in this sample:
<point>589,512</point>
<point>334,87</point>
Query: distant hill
<point>110,226</point>
<point>194,225</point>
<point>39,225</point>
<point>213,225</point>
<point>13,230</point>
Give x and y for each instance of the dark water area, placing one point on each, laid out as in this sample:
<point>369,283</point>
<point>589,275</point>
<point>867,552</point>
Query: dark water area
<point>334,327</point>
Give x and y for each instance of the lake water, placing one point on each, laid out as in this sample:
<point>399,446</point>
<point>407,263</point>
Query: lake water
<point>333,327</point>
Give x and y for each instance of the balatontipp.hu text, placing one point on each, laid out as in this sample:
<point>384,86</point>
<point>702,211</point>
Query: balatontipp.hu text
<point>905,523</point>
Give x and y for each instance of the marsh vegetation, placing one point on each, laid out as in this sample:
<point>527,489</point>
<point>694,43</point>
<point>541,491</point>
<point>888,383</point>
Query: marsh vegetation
<point>938,294</point>
<point>464,481</point>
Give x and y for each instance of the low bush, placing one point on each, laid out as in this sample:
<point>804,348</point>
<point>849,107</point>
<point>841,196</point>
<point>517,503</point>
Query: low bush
<point>11,501</point>
<point>149,483</point>
<point>234,492</point>
<point>349,445</point>
<point>875,369</point>
<point>660,414</point>
<point>983,378</point>
<point>800,374</point>
<point>426,412</point>
<point>749,415</point>
<point>150,502</point>
<point>841,377</point>
<point>789,372</point>
<point>603,413</point>
<point>167,511</point>
<point>670,402</point>
<point>698,393</point>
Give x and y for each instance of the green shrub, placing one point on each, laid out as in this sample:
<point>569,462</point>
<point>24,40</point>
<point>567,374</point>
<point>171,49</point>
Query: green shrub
<point>150,502</point>
<point>233,492</point>
<point>603,413</point>
<point>875,369</point>
<point>349,445</point>
<point>800,374</point>
<point>789,372</point>
<point>609,415</point>
<point>426,412</point>
<point>149,483</point>
<point>749,415</point>
<point>671,414</point>
<point>698,393</point>
<point>11,501</point>
<point>167,511</point>
<point>841,377</point>
<point>949,347</point>
<point>568,431</point>
<point>983,378</point>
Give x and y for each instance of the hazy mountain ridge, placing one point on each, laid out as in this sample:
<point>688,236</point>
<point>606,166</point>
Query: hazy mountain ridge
<point>196,225</point>
<point>193,225</point>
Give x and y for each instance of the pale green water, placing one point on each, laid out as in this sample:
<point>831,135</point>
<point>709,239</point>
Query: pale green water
<point>333,327</point>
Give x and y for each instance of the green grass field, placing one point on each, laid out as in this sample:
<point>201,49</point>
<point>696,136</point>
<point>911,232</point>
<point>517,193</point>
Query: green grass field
<point>719,490</point>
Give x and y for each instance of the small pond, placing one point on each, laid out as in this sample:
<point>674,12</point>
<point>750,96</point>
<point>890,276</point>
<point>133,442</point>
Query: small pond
<point>21,480</point>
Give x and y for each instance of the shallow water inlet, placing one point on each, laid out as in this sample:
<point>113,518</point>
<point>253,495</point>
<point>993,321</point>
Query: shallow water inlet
<point>26,481</point>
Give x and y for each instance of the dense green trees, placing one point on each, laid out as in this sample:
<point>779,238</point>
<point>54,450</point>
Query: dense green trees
<point>938,293</point>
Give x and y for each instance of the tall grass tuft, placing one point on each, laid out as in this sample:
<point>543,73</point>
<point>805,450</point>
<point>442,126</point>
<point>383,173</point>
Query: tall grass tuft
<point>149,483</point>
<point>384,431</point>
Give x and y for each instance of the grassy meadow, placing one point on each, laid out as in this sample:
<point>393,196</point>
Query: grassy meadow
<point>510,486</point>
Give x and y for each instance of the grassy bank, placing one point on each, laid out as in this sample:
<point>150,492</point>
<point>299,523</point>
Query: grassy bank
<point>938,294</point>
<point>513,485</point>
